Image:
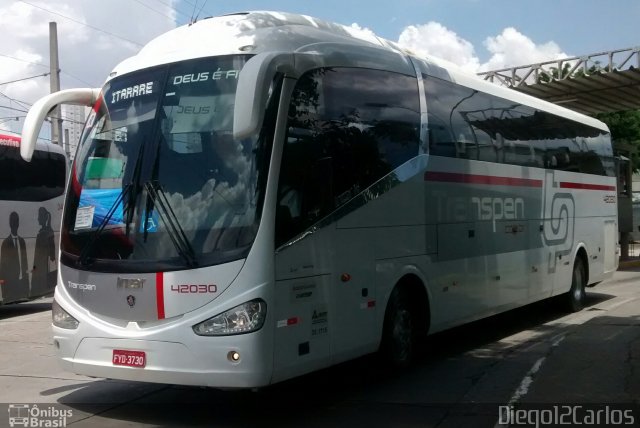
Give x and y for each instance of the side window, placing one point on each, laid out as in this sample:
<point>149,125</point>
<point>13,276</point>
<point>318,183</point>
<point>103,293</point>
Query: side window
<point>347,128</point>
<point>448,109</point>
<point>9,172</point>
<point>58,174</point>
<point>514,133</point>
<point>41,179</point>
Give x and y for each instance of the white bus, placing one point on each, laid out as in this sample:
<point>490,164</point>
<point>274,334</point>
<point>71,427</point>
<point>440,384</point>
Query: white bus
<point>31,199</point>
<point>260,195</point>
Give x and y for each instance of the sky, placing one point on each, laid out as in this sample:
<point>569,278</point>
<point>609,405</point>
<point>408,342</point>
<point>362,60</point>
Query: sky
<point>478,35</point>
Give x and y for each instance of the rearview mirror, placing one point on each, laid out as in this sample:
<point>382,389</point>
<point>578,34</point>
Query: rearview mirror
<point>253,90</point>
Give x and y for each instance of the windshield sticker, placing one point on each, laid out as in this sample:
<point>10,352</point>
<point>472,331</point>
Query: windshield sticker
<point>151,223</point>
<point>201,114</point>
<point>225,74</point>
<point>191,78</point>
<point>219,74</point>
<point>101,201</point>
<point>84,217</point>
<point>132,92</point>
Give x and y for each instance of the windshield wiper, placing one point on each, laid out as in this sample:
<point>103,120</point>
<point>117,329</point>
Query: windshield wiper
<point>83,259</point>
<point>168,216</point>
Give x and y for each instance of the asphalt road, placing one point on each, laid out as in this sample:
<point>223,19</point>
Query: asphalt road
<point>537,354</point>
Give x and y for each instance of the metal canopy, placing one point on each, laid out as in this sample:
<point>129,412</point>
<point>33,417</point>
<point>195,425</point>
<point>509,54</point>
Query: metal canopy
<point>598,83</point>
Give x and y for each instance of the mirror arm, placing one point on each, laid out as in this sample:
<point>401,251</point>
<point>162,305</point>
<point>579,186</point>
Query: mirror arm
<point>39,111</point>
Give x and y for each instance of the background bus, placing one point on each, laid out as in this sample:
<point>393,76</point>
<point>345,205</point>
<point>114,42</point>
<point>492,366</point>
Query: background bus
<point>298,194</point>
<point>31,199</point>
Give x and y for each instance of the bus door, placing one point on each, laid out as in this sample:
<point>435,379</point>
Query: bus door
<point>353,296</point>
<point>303,240</point>
<point>302,307</point>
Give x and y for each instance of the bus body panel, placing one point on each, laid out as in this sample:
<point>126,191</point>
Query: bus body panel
<point>150,296</point>
<point>37,214</point>
<point>175,354</point>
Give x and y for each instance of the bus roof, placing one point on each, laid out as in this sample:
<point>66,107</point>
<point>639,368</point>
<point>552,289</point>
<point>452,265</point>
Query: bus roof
<point>242,33</point>
<point>267,31</point>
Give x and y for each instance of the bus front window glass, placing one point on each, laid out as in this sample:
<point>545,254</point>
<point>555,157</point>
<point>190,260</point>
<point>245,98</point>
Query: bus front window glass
<point>160,147</point>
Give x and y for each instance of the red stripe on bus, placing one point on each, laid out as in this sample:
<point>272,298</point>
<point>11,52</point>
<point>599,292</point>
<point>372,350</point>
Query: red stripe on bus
<point>453,177</point>
<point>160,294</point>
<point>97,105</point>
<point>583,186</point>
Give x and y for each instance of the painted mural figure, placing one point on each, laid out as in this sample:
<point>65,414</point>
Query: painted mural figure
<point>43,279</point>
<point>14,263</point>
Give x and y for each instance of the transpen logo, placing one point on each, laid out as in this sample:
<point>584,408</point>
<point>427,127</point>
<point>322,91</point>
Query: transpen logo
<point>84,287</point>
<point>498,208</point>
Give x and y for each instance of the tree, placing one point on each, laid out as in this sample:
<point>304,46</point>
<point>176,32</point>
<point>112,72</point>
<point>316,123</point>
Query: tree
<point>624,125</point>
<point>625,133</point>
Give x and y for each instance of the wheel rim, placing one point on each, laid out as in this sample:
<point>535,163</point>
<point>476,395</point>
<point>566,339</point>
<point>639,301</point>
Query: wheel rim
<point>402,334</point>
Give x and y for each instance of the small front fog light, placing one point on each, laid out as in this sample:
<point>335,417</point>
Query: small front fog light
<point>233,356</point>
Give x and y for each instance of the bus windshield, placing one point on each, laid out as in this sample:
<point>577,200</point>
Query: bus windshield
<point>158,180</point>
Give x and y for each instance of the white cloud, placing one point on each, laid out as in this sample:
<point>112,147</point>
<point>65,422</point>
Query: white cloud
<point>85,53</point>
<point>362,32</point>
<point>514,48</point>
<point>436,40</point>
<point>510,48</point>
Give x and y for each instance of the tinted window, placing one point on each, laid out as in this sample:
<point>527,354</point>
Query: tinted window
<point>41,179</point>
<point>347,129</point>
<point>469,124</point>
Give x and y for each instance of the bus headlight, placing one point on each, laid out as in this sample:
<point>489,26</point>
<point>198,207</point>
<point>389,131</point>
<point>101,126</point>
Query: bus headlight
<point>244,318</point>
<point>62,318</point>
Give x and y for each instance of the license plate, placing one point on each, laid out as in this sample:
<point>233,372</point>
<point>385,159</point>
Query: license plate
<point>129,358</point>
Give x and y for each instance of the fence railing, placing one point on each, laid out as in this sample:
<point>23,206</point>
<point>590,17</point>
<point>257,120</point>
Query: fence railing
<point>564,68</point>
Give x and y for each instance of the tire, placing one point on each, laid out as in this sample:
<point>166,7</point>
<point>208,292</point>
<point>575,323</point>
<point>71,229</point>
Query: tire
<point>399,331</point>
<point>575,298</point>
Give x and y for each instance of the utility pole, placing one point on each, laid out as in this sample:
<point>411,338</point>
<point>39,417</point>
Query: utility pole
<point>56,115</point>
<point>67,143</point>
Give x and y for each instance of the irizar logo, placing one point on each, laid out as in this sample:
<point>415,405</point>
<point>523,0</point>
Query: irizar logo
<point>498,208</point>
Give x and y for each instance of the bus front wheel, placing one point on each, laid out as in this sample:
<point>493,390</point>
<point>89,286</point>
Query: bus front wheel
<point>576,296</point>
<point>399,334</point>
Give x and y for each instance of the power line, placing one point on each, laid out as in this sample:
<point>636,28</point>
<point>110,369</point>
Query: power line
<point>46,66</point>
<point>174,8</point>
<point>15,109</point>
<point>195,6</point>
<point>154,10</point>
<point>203,5</point>
<point>82,23</point>
<point>21,103</point>
<point>24,60</point>
<point>25,78</point>
<point>10,118</point>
